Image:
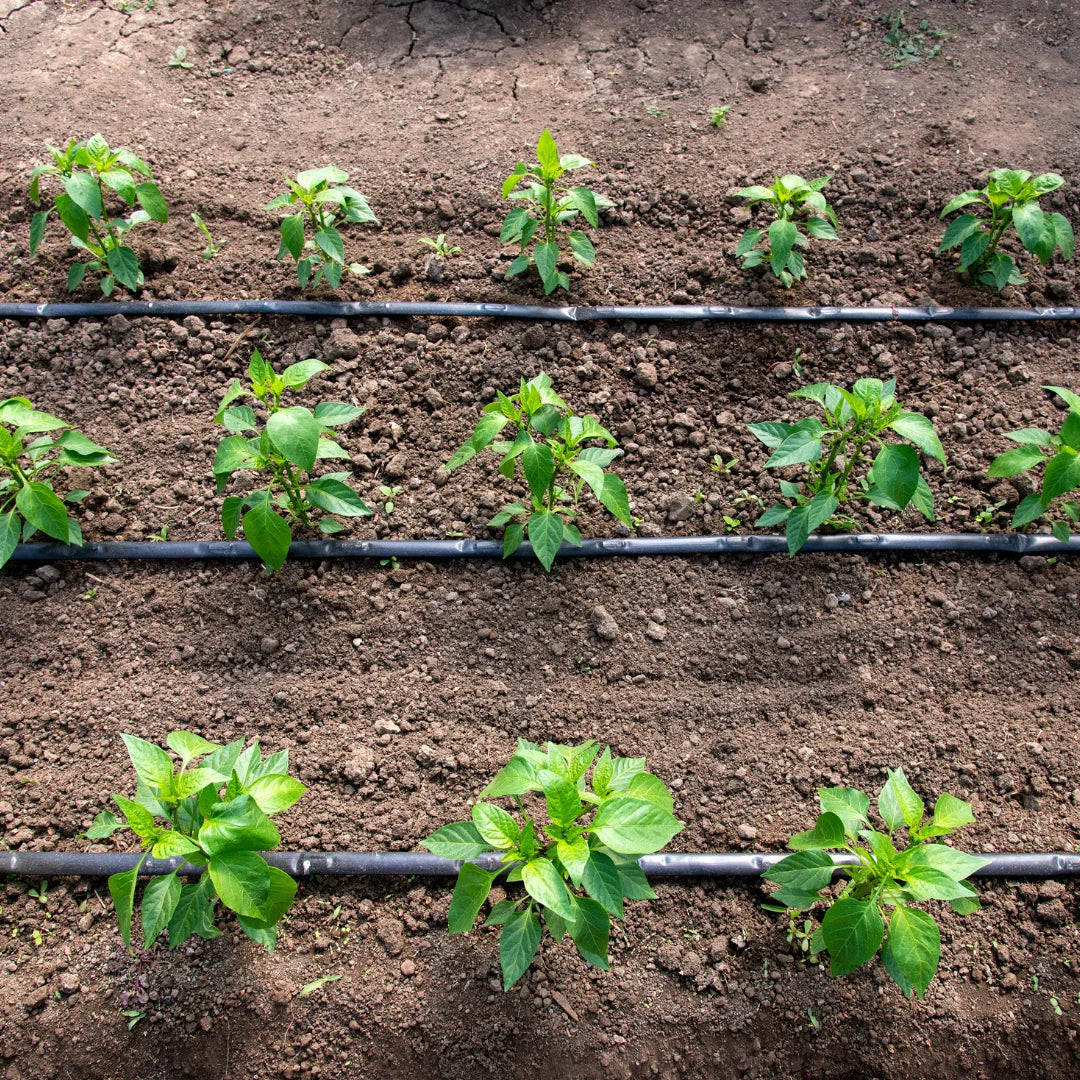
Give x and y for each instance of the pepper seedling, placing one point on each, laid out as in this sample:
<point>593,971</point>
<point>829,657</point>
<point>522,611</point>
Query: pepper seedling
<point>556,463</point>
<point>86,169</point>
<point>545,208</point>
<point>576,870</point>
<point>286,447</point>
<point>216,815</point>
<point>28,471</point>
<point>836,452</point>
<point>1012,197</point>
<point>1060,454</point>
<point>325,204</point>
<point>887,879</point>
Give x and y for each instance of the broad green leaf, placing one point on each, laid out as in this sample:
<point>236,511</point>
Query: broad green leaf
<point>573,854</point>
<point>1063,234</point>
<point>1015,461</point>
<point>238,825</point>
<point>1031,508</point>
<point>39,506</point>
<point>1070,429</point>
<point>470,892</point>
<point>918,429</point>
<point>926,883</point>
<point>582,248</point>
<point>78,224</point>
<point>828,832</point>
<point>500,913</point>
<point>957,864</point>
<point>1030,437</point>
<point>545,885</point>
<point>546,153</point>
<point>895,476</point>
<point>122,891</point>
<point>275,792</point>
<point>747,241</point>
<point>545,536</point>
<point>538,464</point>
<point>268,534</point>
<point>632,827</point>
<point>853,932</point>
<point>799,446</point>
<point>965,199</point>
<point>292,235</point>
<point>600,877</point>
<point>37,230</point>
<point>186,745</point>
<point>515,778</point>
<point>968,904</point>
<point>635,886</point>
<point>336,413</point>
<point>623,771</point>
<point>898,803</point>
<point>615,499</point>
<point>335,497</point>
<point>783,236</point>
<point>104,825</point>
<point>295,432</point>
<point>546,256</point>
<point>253,928</point>
<point>518,944</point>
<point>850,805</point>
<point>1028,221</point>
<point>803,520</point>
<point>10,530</point>
<point>330,242</point>
<point>459,840</point>
<point>194,913</point>
<point>82,189</point>
<point>495,825</point>
<point>124,264</point>
<point>1062,474</point>
<point>951,812</point>
<point>151,201</point>
<point>239,418</point>
<point>242,880</point>
<point>651,789</point>
<point>897,975</point>
<point>915,944</point>
<point>159,901</point>
<point>590,930</point>
<point>152,765</point>
<point>487,428</point>
<point>563,802</point>
<point>775,515</point>
<point>172,843</point>
<point>806,871</point>
<point>557,927</point>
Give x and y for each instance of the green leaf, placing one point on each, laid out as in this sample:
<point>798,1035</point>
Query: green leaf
<point>1063,234</point>
<point>623,771</point>
<point>500,913</point>
<point>187,745</point>
<point>151,201</point>
<point>330,242</point>
<point>37,229</point>
<point>894,477</point>
<point>336,413</point>
<point>545,885</point>
<point>615,500</point>
<point>853,932</point>
<point>582,248</point>
<point>820,228</point>
<point>546,153</point>
<point>918,429</point>
<point>153,766</point>
<point>39,506</point>
<point>633,827</point>
<point>563,802</point>
<point>495,825</point>
<point>171,843</point>
<point>300,374</point>
<point>966,199</point>
<point>898,803</point>
<point>1015,461</point>
<point>489,425</point>
<point>1062,474</point>
<point>574,855</point>
<point>959,230</point>
<point>104,825</point>
<point>915,945</point>
<point>74,217</point>
<point>194,913</point>
<point>782,238</point>
<point>10,529</point>
<point>951,812</point>
<point>76,275</point>
<point>600,877</point>
<point>292,235</point>
<point>295,432</point>
<point>518,944</point>
<point>82,189</point>
<point>635,886</point>
<point>238,825</point>
<point>1028,221</point>
<point>124,264</point>
<point>159,901</point>
<point>590,930</point>
<point>268,534</point>
<point>651,789</point>
<point>275,792</point>
<point>828,832</point>
<point>747,241</point>
<point>1031,508</point>
<point>585,200</point>
<point>546,256</point>
<point>800,445</point>
<point>459,840</point>
<point>515,778</point>
<point>538,464</point>
<point>926,883</point>
<point>545,535</point>
<point>470,892</point>
<point>803,520</point>
<point>122,891</point>
<point>957,864</point>
<point>242,880</point>
<point>1070,430</point>
<point>336,497</point>
<point>967,905</point>
<point>806,871</point>
<point>850,805</point>
<point>775,515</point>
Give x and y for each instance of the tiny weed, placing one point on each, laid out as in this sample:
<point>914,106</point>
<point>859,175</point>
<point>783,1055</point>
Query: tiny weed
<point>90,594</point>
<point>731,523</point>
<point>986,515</point>
<point>813,1019</point>
<point>907,45</point>
<point>440,246</point>
<point>392,562</point>
<point>699,496</point>
<point>316,984</point>
<point>134,1016</point>
<point>718,115</point>
<point>179,59</point>
<point>161,537</point>
<point>390,494</point>
<point>722,467</point>
<point>655,109</point>
<point>212,246</point>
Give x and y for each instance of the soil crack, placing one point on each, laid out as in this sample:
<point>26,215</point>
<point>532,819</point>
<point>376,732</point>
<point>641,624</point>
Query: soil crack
<point>14,10</point>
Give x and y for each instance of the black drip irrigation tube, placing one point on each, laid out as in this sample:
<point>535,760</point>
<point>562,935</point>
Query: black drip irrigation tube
<point>344,309</point>
<point>1006,543</point>
<point>409,863</point>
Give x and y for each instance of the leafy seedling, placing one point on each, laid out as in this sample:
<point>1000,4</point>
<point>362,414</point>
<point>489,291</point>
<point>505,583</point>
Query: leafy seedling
<point>389,494</point>
<point>722,467</point>
<point>907,45</point>
<point>179,59</point>
<point>885,883</point>
<point>316,984</point>
<point>215,814</point>
<point>778,245</point>
<point>1012,198</point>
<point>544,208</point>
<point>324,204</point>
<point>656,110</point>
<point>549,442</point>
<point>577,868</point>
<point>718,115</point>
<point>836,453</point>
<point>1060,454</point>
<point>439,245</point>
<point>86,170</point>
<point>28,473</point>
<point>285,447</point>
<point>212,246</point>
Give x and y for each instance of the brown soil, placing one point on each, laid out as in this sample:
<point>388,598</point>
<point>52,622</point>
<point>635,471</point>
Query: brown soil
<point>746,682</point>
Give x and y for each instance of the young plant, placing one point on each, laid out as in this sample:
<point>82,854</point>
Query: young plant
<point>179,59</point>
<point>908,45</point>
<point>545,208</point>
<point>324,205</point>
<point>215,814</point>
<point>887,878</point>
<point>1061,455</point>
<point>1012,197</point>
<point>439,245</point>
<point>718,115</point>
<point>836,453</point>
<point>212,246</point>
<point>778,245</point>
<point>556,464</point>
<point>576,869</point>
<point>28,501</point>
<point>285,449</point>
<point>86,169</point>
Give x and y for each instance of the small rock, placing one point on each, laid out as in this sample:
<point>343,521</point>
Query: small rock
<point>187,652</point>
<point>36,998</point>
<point>269,645</point>
<point>655,632</point>
<point>359,766</point>
<point>408,968</point>
<point>668,957</point>
<point>437,332</point>
<point>680,508</point>
<point>1051,890</point>
<point>1058,290</point>
<point>746,832</point>
<point>1009,982</point>
<point>425,756</point>
<point>401,272</point>
<point>759,83</point>
<point>1032,563</point>
<point>820,14</point>
<point>1053,912</point>
<point>691,965</point>
<point>391,933</point>
<point>782,371</point>
<point>645,376</point>
<point>533,337</point>
<point>433,268</point>
<point>434,398</point>
<point>238,142</point>
<point>206,1023</point>
<point>69,983</point>
<point>396,467</point>
<point>832,601</point>
<point>48,574</point>
<point>604,625</point>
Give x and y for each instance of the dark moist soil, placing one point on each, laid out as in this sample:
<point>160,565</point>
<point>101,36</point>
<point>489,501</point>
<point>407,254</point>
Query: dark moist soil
<point>399,691</point>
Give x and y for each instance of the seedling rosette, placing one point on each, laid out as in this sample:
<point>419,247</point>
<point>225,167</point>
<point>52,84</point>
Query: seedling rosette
<point>577,868</point>
<point>215,814</point>
<point>875,910</point>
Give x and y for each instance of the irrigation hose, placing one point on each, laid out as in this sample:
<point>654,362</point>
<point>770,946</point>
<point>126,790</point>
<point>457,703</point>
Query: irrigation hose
<point>345,309</point>
<point>1007,543</point>
<point>409,863</point>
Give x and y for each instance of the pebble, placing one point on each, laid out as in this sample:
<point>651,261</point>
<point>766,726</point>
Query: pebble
<point>746,832</point>
<point>680,508</point>
<point>655,632</point>
<point>269,645</point>
<point>604,625</point>
<point>48,574</point>
<point>408,968</point>
<point>396,467</point>
<point>645,375</point>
